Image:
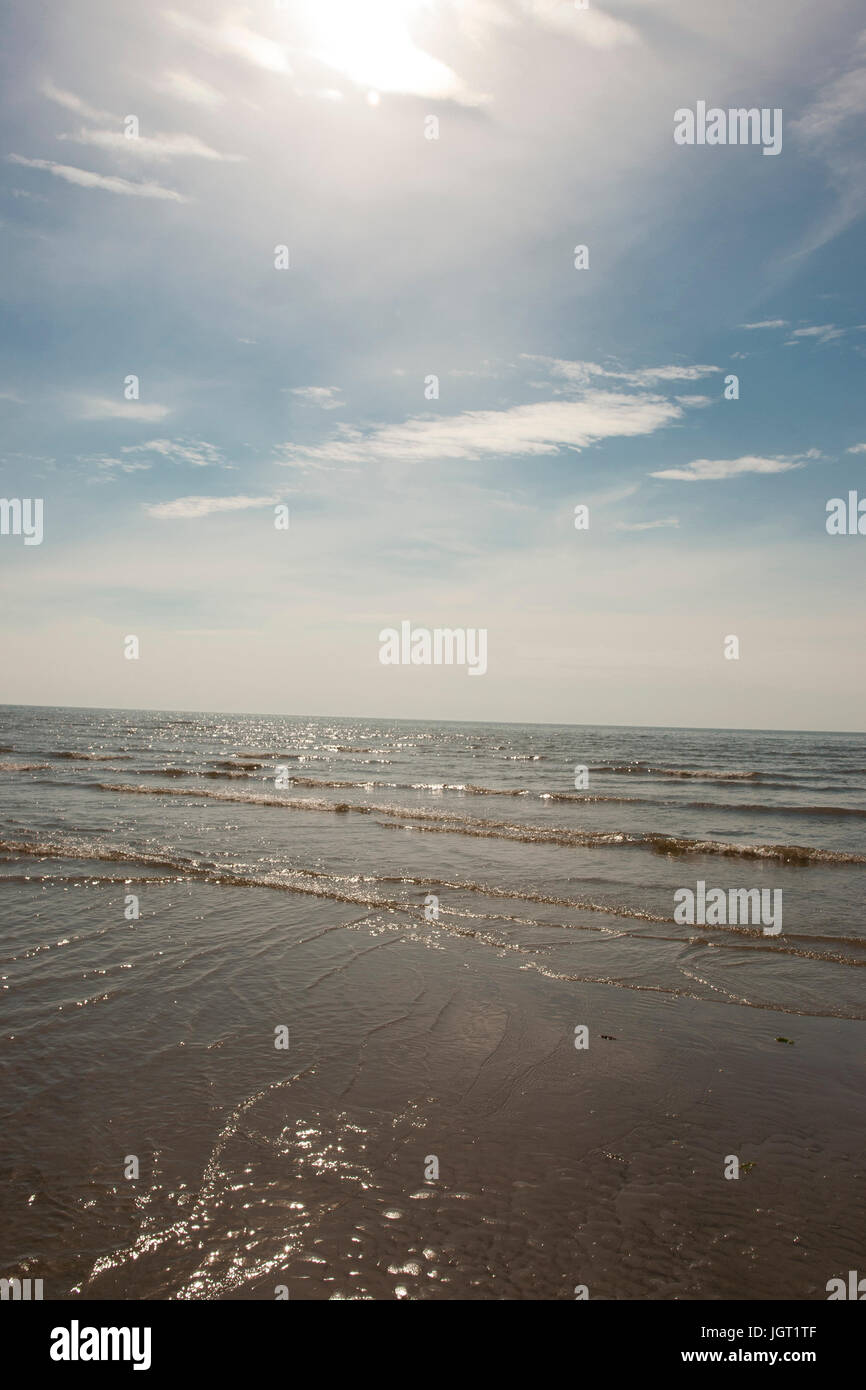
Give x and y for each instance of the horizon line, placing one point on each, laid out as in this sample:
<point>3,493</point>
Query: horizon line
<point>403,719</point>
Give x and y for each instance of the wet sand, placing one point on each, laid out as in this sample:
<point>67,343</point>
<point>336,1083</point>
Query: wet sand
<point>558,1167</point>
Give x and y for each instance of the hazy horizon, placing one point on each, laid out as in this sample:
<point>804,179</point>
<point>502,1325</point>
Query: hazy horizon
<point>403,719</point>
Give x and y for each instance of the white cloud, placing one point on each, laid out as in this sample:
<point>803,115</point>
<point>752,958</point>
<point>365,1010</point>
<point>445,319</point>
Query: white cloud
<point>831,129</point>
<point>581,373</point>
<point>74,103</point>
<point>107,408</point>
<point>110,465</point>
<point>766,323</point>
<point>647,525</point>
<point>542,428</point>
<point>234,39</point>
<point>322,396</point>
<point>151,146</point>
<point>194,451</point>
<point>590,25</point>
<point>185,508</point>
<point>188,88</point>
<point>825,333</point>
<point>714,470</point>
<point>842,100</point>
<point>86,178</point>
<point>856,449</point>
<point>648,375</point>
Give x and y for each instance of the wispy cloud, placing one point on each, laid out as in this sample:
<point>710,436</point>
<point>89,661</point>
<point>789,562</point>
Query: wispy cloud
<point>590,25</point>
<point>325,397</point>
<point>106,464</point>
<point>766,323</point>
<point>74,103</point>
<point>581,373</point>
<point>715,470</point>
<point>856,449</point>
<point>185,508</point>
<point>86,178</point>
<point>838,102</point>
<point>107,408</point>
<point>538,429</point>
<point>188,88</point>
<point>196,452</point>
<point>647,525</point>
<point>159,147</point>
<point>234,39</point>
<point>824,333</point>
<point>831,129</point>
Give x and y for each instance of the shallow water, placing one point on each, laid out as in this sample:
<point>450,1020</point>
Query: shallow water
<point>303,905</point>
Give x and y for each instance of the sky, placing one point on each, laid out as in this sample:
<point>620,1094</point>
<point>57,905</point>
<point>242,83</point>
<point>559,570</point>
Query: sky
<point>153,162</point>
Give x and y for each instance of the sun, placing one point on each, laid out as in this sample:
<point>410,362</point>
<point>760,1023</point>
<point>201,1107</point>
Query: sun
<point>370,42</point>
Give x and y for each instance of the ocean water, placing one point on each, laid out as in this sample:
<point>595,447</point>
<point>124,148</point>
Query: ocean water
<point>428,912</point>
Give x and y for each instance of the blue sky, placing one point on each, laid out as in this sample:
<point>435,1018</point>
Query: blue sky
<point>303,125</point>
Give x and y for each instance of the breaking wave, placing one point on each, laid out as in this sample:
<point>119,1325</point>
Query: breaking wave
<point>451,823</point>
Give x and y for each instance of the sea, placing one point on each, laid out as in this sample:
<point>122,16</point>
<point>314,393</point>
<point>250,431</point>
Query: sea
<point>339,1008</point>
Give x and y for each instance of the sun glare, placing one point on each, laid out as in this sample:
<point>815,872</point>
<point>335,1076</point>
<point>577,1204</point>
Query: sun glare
<point>371,44</point>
